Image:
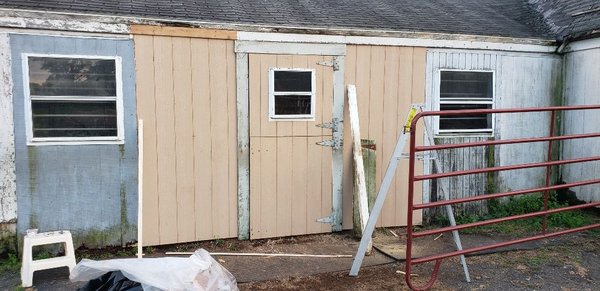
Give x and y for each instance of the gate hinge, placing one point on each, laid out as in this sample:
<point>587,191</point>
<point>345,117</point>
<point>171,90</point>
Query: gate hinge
<point>327,219</point>
<point>331,125</point>
<point>334,64</point>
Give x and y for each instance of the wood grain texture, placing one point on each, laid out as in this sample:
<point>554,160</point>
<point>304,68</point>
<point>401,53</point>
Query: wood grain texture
<point>184,143</point>
<point>146,111</point>
<point>388,80</point>
<point>165,135</point>
<point>190,174</point>
<point>290,181</point>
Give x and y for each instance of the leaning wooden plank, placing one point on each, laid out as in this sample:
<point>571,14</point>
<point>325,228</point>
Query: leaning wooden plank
<point>263,255</point>
<point>361,202</point>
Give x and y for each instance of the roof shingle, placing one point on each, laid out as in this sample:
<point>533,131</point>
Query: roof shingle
<point>509,18</point>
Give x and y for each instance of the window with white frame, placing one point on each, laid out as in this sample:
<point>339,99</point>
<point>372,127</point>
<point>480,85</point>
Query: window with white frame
<point>291,94</point>
<point>466,90</point>
<point>73,99</point>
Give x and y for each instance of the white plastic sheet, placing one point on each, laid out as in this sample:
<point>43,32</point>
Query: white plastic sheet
<point>198,272</point>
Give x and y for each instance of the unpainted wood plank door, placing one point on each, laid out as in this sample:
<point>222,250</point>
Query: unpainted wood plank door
<point>290,175</point>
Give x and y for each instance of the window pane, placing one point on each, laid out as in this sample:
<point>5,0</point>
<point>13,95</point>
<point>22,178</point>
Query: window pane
<point>74,119</point>
<point>293,81</point>
<point>466,84</point>
<point>71,77</point>
<point>473,121</point>
<point>293,104</point>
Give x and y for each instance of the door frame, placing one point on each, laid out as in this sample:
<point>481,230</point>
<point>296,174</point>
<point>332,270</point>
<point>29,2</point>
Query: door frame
<point>242,49</point>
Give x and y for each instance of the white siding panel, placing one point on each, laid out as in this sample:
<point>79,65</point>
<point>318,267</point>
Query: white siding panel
<point>521,80</point>
<point>582,87</point>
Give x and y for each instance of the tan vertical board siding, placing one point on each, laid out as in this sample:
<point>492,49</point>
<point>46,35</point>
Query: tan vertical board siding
<point>405,88</point>
<point>388,80</point>
<point>188,86</point>
<point>184,132</point>
<point>202,133</point>
<point>232,138</point>
<point>217,50</point>
<point>389,135</point>
<point>418,96</point>
<point>144,58</point>
<point>290,180</point>
<point>165,133</point>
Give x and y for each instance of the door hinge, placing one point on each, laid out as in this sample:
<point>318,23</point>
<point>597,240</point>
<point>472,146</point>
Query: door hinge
<point>327,219</point>
<point>334,124</point>
<point>334,64</point>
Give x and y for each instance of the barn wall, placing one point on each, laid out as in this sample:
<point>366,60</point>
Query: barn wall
<point>521,80</point>
<point>8,179</point>
<point>89,189</point>
<point>187,99</point>
<point>582,87</point>
<point>388,80</point>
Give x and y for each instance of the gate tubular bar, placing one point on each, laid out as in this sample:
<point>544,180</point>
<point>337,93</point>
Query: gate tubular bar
<point>505,168</point>
<point>502,219</point>
<point>505,194</point>
<point>499,142</point>
<point>411,234</point>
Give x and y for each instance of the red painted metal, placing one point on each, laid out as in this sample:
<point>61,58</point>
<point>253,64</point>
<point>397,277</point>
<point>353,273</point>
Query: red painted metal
<point>412,178</point>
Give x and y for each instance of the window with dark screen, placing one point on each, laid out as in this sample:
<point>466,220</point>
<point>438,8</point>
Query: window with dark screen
<point>460,90</point>
<point>72,98</point>
<point>292,93</point>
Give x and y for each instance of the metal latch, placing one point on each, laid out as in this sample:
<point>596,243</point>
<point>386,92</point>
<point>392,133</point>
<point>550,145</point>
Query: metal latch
<point>327,219</point>
<point>335,64</point>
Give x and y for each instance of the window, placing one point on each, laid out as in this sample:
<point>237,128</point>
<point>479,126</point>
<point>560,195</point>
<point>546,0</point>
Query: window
<point>466,90</point>
<point>73,99</point>
<point>291,94</point>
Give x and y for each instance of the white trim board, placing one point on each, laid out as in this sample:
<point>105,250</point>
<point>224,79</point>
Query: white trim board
<point>582,45</point>
<point>395,41</point>
<point>289,48</point>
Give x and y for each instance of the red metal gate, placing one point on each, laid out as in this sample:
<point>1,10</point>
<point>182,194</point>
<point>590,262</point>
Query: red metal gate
<point>412,178</point>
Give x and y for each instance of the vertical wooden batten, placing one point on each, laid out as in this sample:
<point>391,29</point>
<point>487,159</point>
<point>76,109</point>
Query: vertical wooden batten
<point>187,98</point>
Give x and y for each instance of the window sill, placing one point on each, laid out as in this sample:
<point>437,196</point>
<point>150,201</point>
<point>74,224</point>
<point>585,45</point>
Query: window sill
<point>74,142</point>
<point>463,134</point>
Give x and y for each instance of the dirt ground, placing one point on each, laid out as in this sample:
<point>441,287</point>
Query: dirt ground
<point>570,262</point>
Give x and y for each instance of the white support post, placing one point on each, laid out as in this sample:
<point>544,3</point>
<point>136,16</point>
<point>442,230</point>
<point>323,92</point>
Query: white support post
<point>140,225</point>
<point>359,179</point>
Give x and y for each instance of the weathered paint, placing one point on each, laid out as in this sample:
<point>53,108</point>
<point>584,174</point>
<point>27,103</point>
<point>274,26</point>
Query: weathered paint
<point>83,24</point>
<point>88,189</point>
<point>8,190</point>
<point>388,80</point>
<point>581,87</point>
<point>521,80</point>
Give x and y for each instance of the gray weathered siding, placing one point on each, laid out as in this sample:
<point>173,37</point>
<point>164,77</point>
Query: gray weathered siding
<point>521,80</point>
<point>89,189</point>
<point>582,87</point>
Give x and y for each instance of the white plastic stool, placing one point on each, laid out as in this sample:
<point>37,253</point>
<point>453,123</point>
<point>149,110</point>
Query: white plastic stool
<point>36,239</point>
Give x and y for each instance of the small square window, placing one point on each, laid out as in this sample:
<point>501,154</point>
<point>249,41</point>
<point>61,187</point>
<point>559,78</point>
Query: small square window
<point>461,90</point>
<point>291,93</point>
<point>72,99</point>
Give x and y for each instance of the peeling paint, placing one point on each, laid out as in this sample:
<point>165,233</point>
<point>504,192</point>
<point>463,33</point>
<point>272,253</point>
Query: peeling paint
<point>63,24</point>
<point>8,184</point>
